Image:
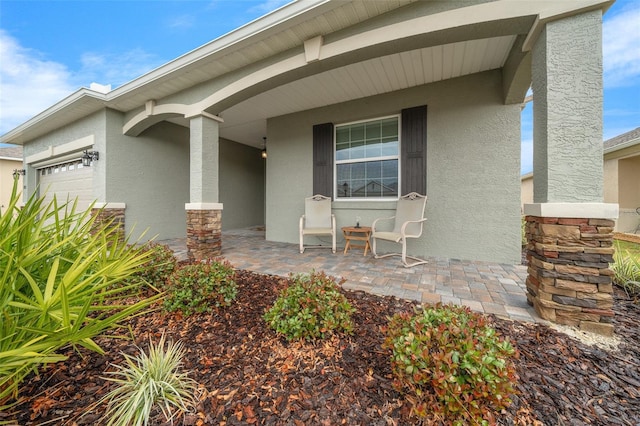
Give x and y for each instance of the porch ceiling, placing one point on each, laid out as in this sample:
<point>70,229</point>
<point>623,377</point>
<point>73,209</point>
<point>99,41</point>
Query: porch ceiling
<point>245,122</point>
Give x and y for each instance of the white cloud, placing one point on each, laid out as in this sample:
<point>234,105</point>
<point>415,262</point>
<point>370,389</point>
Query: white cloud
<point>181,22</point>
<point>621,47</point>
<point>116,68</point>
<point>29,84</point>
<point>269,5</point>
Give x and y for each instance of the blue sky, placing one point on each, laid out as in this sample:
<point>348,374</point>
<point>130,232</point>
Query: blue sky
<point>49,49</point>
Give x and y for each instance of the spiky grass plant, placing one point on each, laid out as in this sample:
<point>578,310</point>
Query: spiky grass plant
<point>626,269</point>
<point>59,277</point>
<point>147,382</point>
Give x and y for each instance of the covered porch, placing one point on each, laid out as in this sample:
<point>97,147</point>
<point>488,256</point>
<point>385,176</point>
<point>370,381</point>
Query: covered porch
<point>485,287</point>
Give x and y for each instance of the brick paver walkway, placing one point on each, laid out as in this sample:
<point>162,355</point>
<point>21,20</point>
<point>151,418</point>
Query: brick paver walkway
<point>484,287</point>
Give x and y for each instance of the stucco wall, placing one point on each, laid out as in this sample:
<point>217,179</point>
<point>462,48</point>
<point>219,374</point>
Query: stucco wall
<point>92,126</point>
<point>567,110</point>
<point>241,185</point>
<point>473,185</point>
<point>150,174</point>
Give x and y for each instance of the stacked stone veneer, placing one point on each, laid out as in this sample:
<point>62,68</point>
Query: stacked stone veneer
<point>110,217</point>
<point>204,230</point>
<point>569,278</point>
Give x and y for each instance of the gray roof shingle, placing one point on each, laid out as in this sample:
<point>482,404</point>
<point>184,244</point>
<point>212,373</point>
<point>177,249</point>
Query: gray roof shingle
<point>11,152</point>
<point>623,138</point>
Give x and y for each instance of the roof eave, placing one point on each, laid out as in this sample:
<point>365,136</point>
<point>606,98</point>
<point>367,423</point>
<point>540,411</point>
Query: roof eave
<point>15,136</point>
<point>622,146</point>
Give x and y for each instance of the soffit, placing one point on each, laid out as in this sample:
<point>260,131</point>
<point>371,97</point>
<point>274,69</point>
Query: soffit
<point>334,16</point>
<point>245,122</point>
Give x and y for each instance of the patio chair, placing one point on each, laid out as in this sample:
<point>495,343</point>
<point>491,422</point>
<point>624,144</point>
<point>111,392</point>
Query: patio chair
<point>407,223</point>
<point>317,220</point>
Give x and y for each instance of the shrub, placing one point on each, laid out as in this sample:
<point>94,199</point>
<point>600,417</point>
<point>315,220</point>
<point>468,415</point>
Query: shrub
<point>161,263</point>
<point>310,307</point>
<point>58,285</point>
<point>197,287</point>
<point>626,270</point>
<point>149,382</point>
<point>448,360</point>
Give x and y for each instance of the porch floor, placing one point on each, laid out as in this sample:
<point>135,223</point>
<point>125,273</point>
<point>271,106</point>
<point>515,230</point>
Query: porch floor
<point>485,287</point>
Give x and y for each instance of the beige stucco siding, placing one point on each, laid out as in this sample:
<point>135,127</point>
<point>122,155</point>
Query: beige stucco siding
<point>473,206</point>
<point>7,166</point>
<point>526,189</point>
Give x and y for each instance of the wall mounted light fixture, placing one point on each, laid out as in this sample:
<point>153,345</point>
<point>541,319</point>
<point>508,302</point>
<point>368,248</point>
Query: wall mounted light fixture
<point>18,172</point>
<point>264,147</point>
<point>89,157</point>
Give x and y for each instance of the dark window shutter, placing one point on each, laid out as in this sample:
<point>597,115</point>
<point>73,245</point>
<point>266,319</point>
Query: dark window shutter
<point>323,159</point>
<point>413,155</point>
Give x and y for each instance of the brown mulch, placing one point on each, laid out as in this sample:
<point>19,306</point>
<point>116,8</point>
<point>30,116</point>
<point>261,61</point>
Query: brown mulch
<point>249,375</point>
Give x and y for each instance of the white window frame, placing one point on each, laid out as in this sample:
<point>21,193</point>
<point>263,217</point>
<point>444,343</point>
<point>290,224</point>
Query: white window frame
<point>366,159</point>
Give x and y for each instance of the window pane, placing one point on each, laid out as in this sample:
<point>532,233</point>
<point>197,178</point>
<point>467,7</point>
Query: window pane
<point>342,135</point>
<point>374,170</point>
<point>373,130</point>
<point>360,173</point>
<point>357,132</point>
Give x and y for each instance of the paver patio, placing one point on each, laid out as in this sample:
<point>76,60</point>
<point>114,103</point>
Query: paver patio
<point>485,287</point>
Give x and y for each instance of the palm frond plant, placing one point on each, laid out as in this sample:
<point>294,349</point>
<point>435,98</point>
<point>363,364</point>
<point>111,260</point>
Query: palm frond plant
<point>147,382</point>
<point>57,276</point>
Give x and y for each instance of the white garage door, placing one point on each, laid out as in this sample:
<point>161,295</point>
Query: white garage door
<point>67,180</point>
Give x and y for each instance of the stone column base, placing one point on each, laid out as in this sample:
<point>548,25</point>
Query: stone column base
<point>569,278</point>
<point>111,215</point>
<point>204,233</point>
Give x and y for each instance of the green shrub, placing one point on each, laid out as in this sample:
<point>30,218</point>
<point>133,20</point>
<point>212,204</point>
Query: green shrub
<point>58,285</point>
<point>451,363</point>
<point>626,270</point>
<point>147,382</point>
<point>310,307</point>
<point>198,287</point>
<point>160,264</point>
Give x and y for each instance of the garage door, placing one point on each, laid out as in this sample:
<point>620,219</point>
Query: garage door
<point>70,180</point>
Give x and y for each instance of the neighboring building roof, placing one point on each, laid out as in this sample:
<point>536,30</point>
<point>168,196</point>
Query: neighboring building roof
<point>11,153</point>
<point>622,141</point>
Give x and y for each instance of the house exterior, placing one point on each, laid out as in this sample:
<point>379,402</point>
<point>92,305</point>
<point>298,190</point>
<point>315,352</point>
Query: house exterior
<point>361,101</point>
<point>10,162</point>
<point>621,176</point>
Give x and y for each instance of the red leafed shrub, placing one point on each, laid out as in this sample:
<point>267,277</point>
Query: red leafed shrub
<point>451,364</point>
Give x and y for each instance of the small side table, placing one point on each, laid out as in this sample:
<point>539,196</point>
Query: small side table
<point>351,233</point>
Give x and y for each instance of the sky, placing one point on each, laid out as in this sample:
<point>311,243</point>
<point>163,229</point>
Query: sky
<point>49,49</point>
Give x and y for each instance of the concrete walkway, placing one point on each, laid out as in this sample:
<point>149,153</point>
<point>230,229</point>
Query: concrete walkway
<point>484,287</point>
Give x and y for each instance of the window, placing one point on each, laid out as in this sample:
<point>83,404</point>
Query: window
<point>367,159</point>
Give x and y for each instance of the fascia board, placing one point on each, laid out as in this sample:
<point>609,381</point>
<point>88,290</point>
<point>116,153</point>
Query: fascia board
<point>622,146</point>
<point>13,136</point>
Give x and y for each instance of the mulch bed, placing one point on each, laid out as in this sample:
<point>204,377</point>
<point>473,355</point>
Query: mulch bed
<point>249,375</point>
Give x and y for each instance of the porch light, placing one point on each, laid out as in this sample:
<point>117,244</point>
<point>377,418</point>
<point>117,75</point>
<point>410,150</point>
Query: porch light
<point>264,148</point>
<point>18,172</point>
<point>89,157</point>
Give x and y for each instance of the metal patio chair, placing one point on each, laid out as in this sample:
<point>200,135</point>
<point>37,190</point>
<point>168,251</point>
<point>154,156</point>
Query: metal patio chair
<point>407,223</point>
<point>317,220</point>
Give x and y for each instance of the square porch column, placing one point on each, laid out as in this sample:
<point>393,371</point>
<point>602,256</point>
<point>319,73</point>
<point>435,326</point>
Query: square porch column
<point>204,212</point>
<point>569,228</point>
